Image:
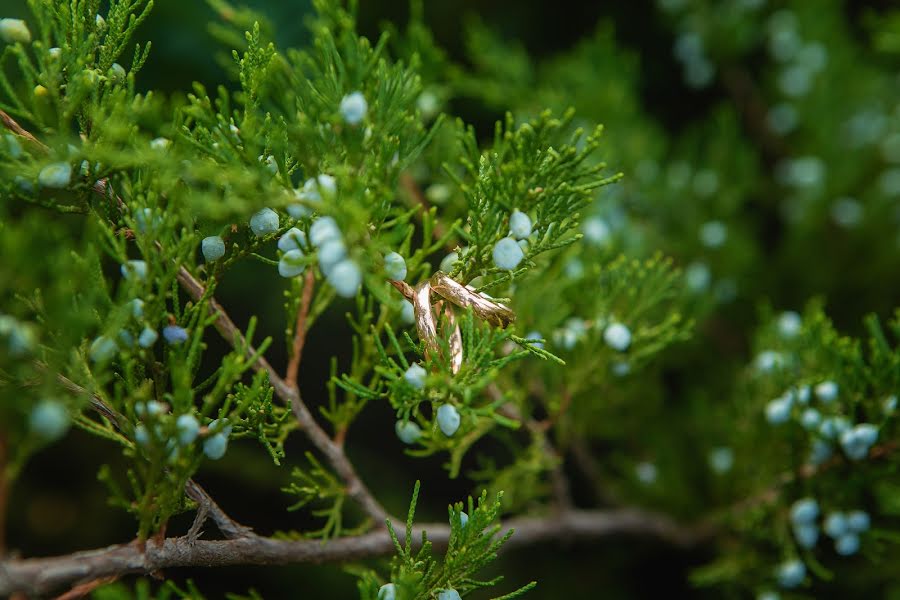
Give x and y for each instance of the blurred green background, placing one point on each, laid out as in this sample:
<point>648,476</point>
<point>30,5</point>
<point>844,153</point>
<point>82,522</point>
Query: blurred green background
<point>59,507</point>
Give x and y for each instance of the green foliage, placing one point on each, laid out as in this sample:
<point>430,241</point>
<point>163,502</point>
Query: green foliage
<point>653,323</point>
<point>472,545</point>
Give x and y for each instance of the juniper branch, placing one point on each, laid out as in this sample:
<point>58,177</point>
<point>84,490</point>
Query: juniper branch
<point>38,576</point>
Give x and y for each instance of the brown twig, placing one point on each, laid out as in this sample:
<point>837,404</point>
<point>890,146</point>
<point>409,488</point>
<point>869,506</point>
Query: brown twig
<point>83,589</point>
<point>309,281</point>
<point>38,576</point>
<point>332,451</point>
<point>562,497</point>
<point>408,183</point>
<point>17,129</point>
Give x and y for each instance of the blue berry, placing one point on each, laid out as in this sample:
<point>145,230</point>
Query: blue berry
<point>213,248</point>
<point>331,253</point>
<point>507,254</point>
<point>596,231</point>
<point>313,191</point>
<point>810,419</point>
<point>697,276</point>
<point>447,262</point>
<point>858,521</point>
<point>847,544</point>
<point>264,222</point>
<point>49,419</point>
<point>394,267</point>
<point>145,220</point>
<point>293,239</point>
<point>721,459</point>
<point>833,427</point>
<point>345,277</point>
<point>646,472</point>
<point>214,446</point>
<point>535,338</point>
<point>14,30</point>
<point>137,308</point>
<point>415,376</point>
<point>713,234</point>
<point>291,263</point>
<point>867,433</point>
<point>387,592</point>
<point>271,164</point>
<point>806,534</point>
<point>519,225</point>
<point>790,574</point>
<point>889,405</point>
<point>353,108</point>
<point>56,175</point>
<point>449,594</point>
<point>802,394</point>
<point>134,269</point>
<point>805,510</point>
<point>617,336</point>
<point>408,432</point>
<point>322,230</point>
<point>621,368</point>
<point>827,391</point>
<point>141,435</point>
<point>857,441</point>
<point>778,411</point>
<point>126,340</point>
<point>160,143</point>
<point>20,337</point>
<point>836,525</point>
<point>188,428</point>
<point>448,419</point>
<point>463,519</point>
<point>102,349</point>
<point>789,324</point>
<point>821,451</point>
<point>174,335</point>
<point>408,313</point>
<point>154,408</point>
<point>116,72</point>
<point>148,337</point>
<point>768,360</point>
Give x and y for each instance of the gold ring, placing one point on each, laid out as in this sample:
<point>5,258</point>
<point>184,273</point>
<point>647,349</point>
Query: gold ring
<point>492,312</point>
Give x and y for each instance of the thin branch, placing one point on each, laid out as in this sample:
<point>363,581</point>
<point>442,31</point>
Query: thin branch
<point>17,129</point>
<point>309,282</point>
<point>83,589</point>
<point>39,576</point>
<point>562,497</point>
<point>408,183</point>
<point>290,395</point>
<point>207,506</point>
<point>230,528</point>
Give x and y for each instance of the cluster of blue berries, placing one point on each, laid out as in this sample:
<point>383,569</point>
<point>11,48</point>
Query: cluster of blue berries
<point>104,348</point>
<point>186,429</point>
<point>314,190</point>
<point>448,417</point>
<point>855,440</point>
<point>341,272</point>
<point>843,528</point>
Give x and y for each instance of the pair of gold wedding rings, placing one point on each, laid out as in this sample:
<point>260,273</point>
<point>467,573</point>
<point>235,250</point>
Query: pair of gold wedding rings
<point>450,291</point>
